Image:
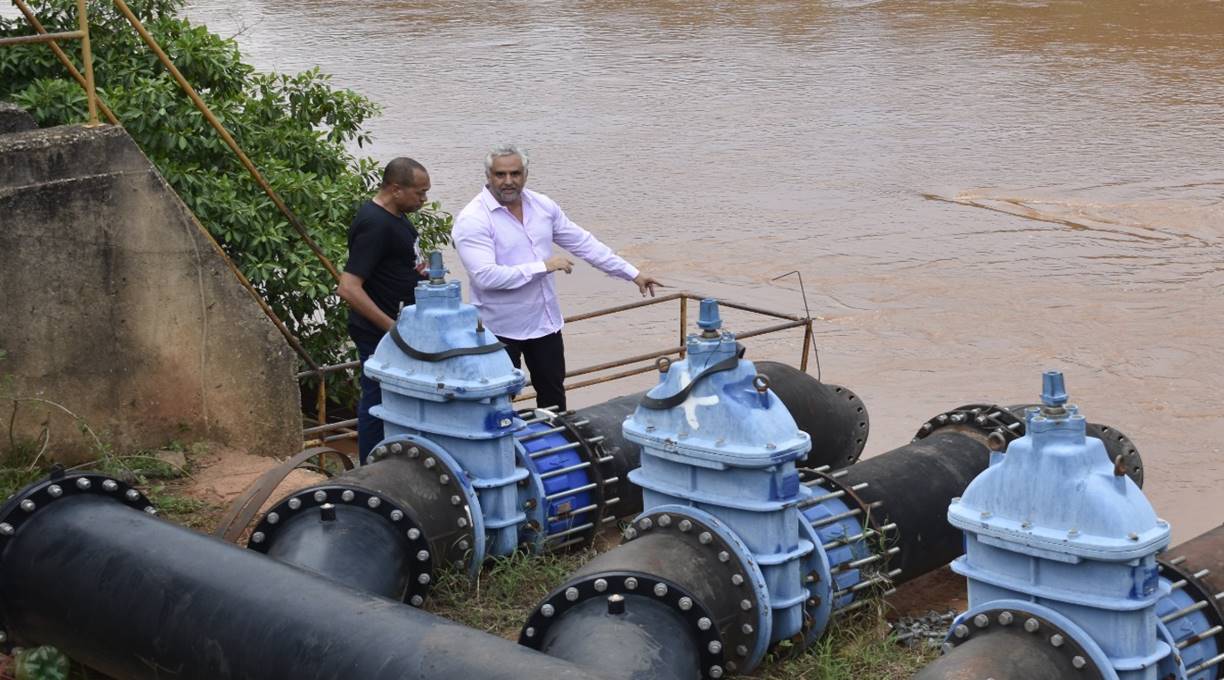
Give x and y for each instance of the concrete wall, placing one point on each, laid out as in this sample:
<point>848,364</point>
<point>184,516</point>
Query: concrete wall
<point>114,305</point>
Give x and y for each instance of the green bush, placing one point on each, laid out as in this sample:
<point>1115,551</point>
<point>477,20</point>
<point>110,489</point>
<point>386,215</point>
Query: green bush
<point>296,129</point>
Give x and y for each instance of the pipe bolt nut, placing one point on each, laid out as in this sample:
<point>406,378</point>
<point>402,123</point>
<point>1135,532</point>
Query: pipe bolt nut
<point>685,525</point>
<point>715,646</point>
<point>320,496</point>
<point>530,632</point>
<point>705,537</point>
<point>6,529</point>
<point>414,533</point>
<point>28,505</point>
<point>373,502</point>
<point>746,604</point>
<point>347,496</point>
<point>272,518</point>
<point>397,447</point>
<point>660,589</point>
<point>631,583</point>
<point>422,555</point>
<point>747,629</point>
<point>83,483</point>
<point>417,601</point>
<point>600,585</point>
<point>737,579</point>
<point>295,503</point>
<point>424,579</point>
<point>548,610</point>
<point>462,522</point>
<point>1056,640</point>
<point>413,452</point>
<point>704,623</point>
<point>571,594</point>
<point>55,491</point>
<point>741,650</point>
<point>645,524</point>
<point>1006,618</point>
<point>665,520</point>
<point>724,556</point>
<point>1079,662</point>
<point>257,537</point>
<point>981,620</point>
<point>430,463</point>
<point>109,485</point>
<point>961,631</point>
<point>396,515</point>
<point>685,604</point>
<point>1032,625</point>
<point>716,672</point>
<point>444,479</point>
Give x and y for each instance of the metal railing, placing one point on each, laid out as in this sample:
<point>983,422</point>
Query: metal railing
<point>328,432</point>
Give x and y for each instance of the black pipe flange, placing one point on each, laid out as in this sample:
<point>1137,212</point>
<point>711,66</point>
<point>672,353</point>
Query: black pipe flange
<point>326,498</point>
<point>1052,642</point>
<point>738,605</point>
<point>623,583</point>
<point>427,481</point>
<point>24,504</point>
<point>977,420</point>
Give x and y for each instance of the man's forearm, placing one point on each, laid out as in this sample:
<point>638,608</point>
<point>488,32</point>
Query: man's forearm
<point>352,292</point>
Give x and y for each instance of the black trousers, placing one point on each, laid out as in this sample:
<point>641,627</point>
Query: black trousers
<point>545,358</point>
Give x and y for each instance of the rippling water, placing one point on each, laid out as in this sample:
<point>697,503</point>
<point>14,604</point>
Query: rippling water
<point>973,191</point>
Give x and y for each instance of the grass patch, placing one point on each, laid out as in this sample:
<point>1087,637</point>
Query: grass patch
<point>505,591</point>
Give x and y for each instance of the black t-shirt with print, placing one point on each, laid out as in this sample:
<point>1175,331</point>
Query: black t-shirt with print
<point>382,253</point>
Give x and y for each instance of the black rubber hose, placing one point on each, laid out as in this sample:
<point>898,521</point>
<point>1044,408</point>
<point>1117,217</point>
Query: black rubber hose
<point>915,483</point>
<point>627,637</point>
<point>136,597</point>
<point>833,416</point>
<point>349,544</point>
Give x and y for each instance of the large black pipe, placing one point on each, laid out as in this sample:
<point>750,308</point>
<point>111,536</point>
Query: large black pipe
<point>914,485</point>
<point>627,637</point>
<point>136,597</point>
<point>1005,654</point>
<point>833,416</point>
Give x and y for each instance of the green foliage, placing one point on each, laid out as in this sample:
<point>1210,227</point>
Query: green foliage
<point>297,129</point>
<point>42,663</point>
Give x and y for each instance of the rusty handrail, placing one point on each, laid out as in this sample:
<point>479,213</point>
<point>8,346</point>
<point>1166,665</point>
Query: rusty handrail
<point>86,83</point>
<point>52,39</point>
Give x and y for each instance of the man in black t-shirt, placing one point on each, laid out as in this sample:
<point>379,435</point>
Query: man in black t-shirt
<point>381,275</point>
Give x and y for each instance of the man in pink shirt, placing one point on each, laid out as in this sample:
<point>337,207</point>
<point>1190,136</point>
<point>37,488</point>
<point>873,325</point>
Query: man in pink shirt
<point>505,238</point>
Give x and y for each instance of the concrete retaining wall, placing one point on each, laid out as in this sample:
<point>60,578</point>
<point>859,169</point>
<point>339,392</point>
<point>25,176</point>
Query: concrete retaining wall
<point>114,305</point>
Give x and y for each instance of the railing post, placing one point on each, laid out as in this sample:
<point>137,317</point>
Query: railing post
<point>683,322</point>
<point>87,59</point>
<point>321,399</point>
<point>807,345</point>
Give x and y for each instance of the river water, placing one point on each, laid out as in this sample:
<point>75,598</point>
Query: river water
<point>972,191</point>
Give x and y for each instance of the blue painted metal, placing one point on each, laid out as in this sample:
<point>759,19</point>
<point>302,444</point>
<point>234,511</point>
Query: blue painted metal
<point>1185,627</point>
<point>531,482</point>
<point>461,404</point>
<point>728,451</point>
<point>1052,529</point>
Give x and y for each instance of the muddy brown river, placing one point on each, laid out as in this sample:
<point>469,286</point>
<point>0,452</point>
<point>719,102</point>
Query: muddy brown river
<point>973,191</point>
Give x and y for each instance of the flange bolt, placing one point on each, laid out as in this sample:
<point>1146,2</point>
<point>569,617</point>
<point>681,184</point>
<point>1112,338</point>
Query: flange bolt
<point>616,604</point>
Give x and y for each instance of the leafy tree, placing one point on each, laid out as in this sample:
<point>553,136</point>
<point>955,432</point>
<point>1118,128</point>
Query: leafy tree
<point>296,129</point>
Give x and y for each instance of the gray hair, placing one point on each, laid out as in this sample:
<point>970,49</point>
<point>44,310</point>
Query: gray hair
<point>506,150</point>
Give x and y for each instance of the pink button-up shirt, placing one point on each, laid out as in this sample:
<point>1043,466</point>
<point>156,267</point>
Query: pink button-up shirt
<point>504,259</point>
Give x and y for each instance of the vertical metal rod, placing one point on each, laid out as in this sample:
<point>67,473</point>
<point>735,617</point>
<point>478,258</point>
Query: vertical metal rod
<point>87,58</point>
<point>321,400</point>
<point>32,19</point>
<point>683,325</point>
<point>226,137</point>
<point>807,345</point>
